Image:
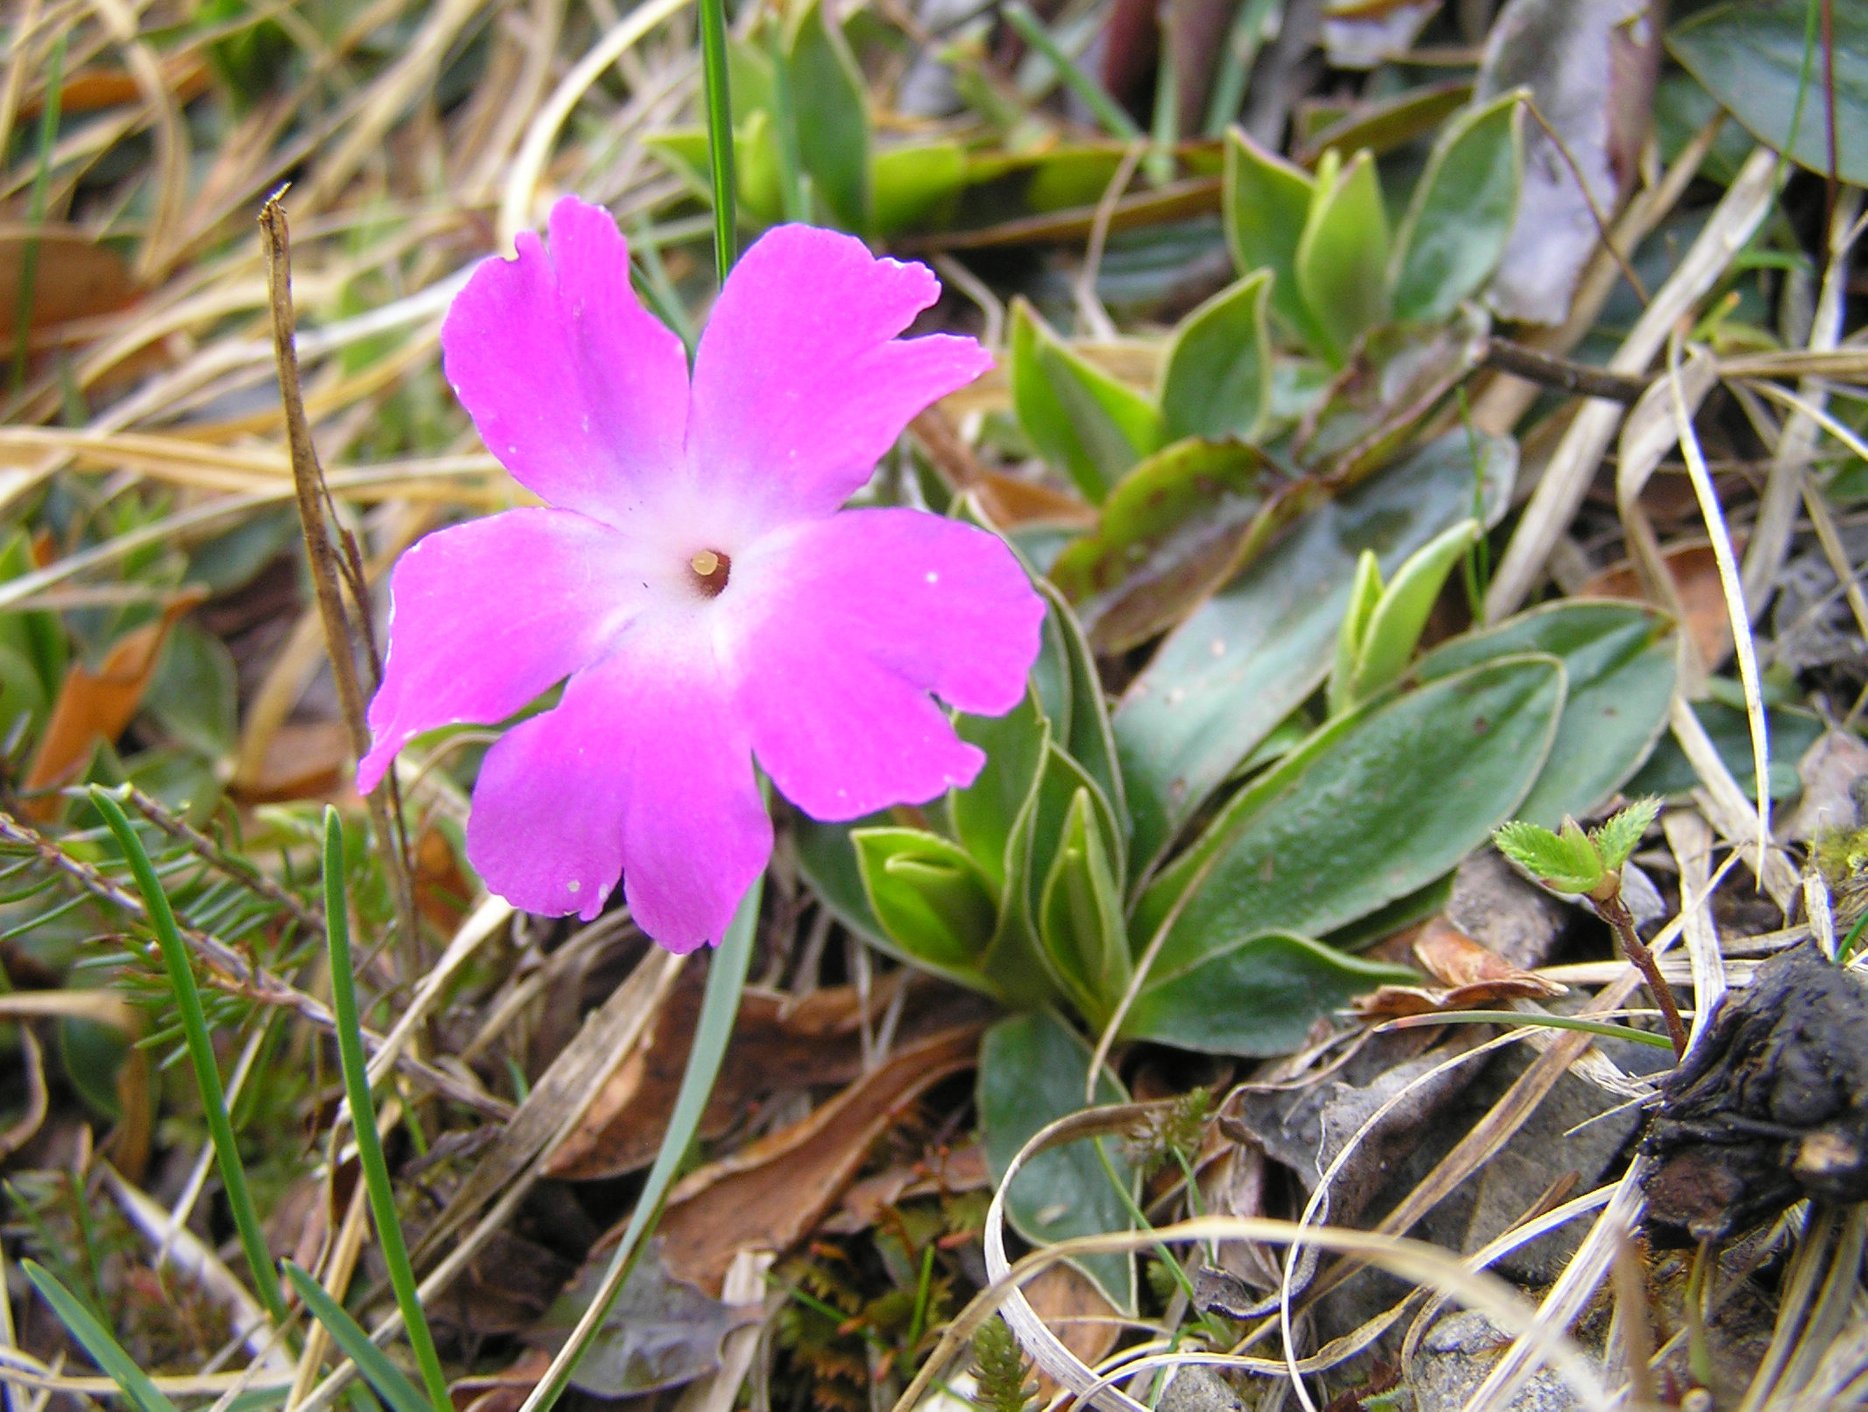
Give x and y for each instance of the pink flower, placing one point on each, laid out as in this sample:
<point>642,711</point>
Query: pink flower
<point>692,575</point>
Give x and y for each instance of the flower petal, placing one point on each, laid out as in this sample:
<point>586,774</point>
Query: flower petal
<point>800,383</point>
<point>579,390</point>
<point>641,770</point>
<point>486,615</point>
<point>850,622</point>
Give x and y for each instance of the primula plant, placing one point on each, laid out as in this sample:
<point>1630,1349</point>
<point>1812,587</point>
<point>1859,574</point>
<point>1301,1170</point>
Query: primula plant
<point>692,577</point>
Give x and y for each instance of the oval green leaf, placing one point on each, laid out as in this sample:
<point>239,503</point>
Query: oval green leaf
<point>1033,1070</point>
<point>1375,806</point>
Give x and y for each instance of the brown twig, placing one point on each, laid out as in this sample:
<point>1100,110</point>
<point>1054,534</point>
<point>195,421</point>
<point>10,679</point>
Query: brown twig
<point>307,915</point>
<point>1564,374</point>
<point>1614,911</point>
<point>328,566</point>
<point>231,971</point>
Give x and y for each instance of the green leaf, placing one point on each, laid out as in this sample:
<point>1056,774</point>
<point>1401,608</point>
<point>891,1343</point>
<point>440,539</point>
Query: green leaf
<point>928,895</point>
<point>830,106</point>
<point>105,1351</point>
<point>1016,964</point>
<point>1266,201</point>
<point>1216,379</point>
<point>1755,58</point>
<point>1669,772</point>
<point>1618,837</point>
<point>1399,374</point>
<point>1177,526</point>
<point>391,1384</point>
<point>984,813</point>
<point>1078,417</point>
<point>915,185</point>
<point>193,695</point>
<point>1461,213</point>
<point>1080,916</point>
<point>1621,661</point>
<point>1564,862</point>
<point>1342,256</point>
<point>1089,739</point>
<point>1033,1070</point>
<point>1400,616</point>
<point>1257,997</point>
<point>1248,656</point>
<point>1374,806</point>
<point>1365,591</point>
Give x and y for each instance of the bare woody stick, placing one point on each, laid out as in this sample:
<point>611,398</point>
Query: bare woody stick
<point>327,566</point>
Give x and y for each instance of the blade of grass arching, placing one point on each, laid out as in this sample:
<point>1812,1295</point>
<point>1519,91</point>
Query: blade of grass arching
<point>388,1380</point>
<point>719,134</point>
<point>105,1351</point>
<point>35,207</point>
<point>726,979</point>
<point>1031,29</point>
<point>363,1123</point>
<point>200,1054</point>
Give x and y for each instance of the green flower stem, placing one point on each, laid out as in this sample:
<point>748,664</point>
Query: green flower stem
<point>35,208</point>
<point>1108,112</point>
<point>719,133</point>
<point>200,1054</point>
<point>363,1120</point>
<point>726,979</point>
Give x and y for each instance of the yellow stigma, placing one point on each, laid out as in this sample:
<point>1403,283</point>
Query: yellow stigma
<point>710,569</point>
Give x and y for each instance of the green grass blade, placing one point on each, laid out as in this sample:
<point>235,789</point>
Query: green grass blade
<point>363,1121</point>
<point>388,1380</point>
<point>1521,1019</point>
<point>726,979</point>
<point>200,1054</point>
<point>719,134</point>
<point>35,208</point>
<point>105,1351</point>
<point>1106,110</point>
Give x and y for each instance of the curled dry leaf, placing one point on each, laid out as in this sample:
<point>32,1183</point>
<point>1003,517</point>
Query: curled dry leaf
<point>770,1193</point>
<point>778,1044</point>
<point>1471,978</point>
<point>96,706</point>
<point>1074,1309</point>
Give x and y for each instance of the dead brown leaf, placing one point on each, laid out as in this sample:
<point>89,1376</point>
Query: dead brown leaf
<point>73,276</point>
<point>1695,575</point>
<point>302,760</point>
<point>1074,1309</point>
<point>1471,978</point>
<point>778,1044</point>
<point>94,707</point>
<point>941,1173</point>
<point>770,1193</point>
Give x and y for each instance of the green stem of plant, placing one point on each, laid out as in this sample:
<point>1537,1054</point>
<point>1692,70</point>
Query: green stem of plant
<point>726,980</point>
<point>35,208</point>
<point>200,1054</point>
<point>363,1120</point>
<point>719,133</point>
<point>1031,29</point>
